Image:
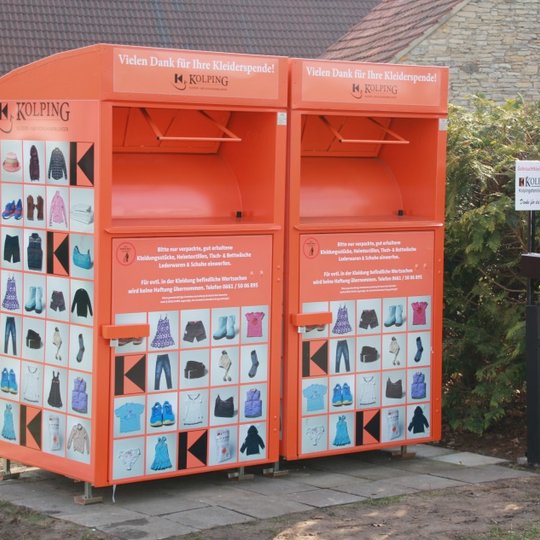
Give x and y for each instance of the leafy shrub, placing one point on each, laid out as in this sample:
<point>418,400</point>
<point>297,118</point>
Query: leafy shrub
<point>485,295</point>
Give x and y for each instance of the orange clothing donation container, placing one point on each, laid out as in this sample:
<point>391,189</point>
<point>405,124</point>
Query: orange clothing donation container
<point>364,254</point>
<point>141,275</point>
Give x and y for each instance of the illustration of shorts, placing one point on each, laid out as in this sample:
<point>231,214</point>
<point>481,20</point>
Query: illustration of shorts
<point>12,251</point>
<point>57,301</point>
<point>194,330</point>
<point>368,319</point>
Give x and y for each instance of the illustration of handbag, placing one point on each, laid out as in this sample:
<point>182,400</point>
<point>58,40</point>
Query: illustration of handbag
<point>394,390</point>
<point>224,408</point>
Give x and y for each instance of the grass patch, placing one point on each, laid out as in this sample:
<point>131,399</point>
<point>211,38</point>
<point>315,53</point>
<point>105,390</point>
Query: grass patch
<point>496,533</point>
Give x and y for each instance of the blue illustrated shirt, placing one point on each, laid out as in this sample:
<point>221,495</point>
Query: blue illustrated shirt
<point>314,395</point>
<point>130,417</point>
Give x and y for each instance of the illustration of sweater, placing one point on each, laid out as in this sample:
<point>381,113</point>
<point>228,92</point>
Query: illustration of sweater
<point>252,443</point>
<point>57,165</point>
<point>79,439</point>
<point>314,395</point>
<point>82,301</point>
<point>57,213</point>
<point>419,312</point>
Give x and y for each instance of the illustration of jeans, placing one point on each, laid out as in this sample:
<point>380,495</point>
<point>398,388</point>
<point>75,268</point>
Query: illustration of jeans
<point>342,351</point>
<point>163,364</point>
<point>10,331</point>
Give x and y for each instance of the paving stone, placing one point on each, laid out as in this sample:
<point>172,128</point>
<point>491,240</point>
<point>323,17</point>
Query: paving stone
<point>206,518</point>
<point>321,498</point>
<point>253,504</point>
<point>429,450</point>
<point>97,516</point>
<point>427,482</point>
<point>378,489</point>
<point>324,479</point>
<point>150,528</point>
<point>380,472</point>
<point>277,486</point>
<point>160,504</point>
<point>469,459</point>
<point>485,473</point>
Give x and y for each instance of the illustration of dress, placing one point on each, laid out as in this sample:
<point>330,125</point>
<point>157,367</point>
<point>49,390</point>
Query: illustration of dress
<point>342,325</point>
<point>55,399</point>
<point>163,336</point>
<point>10,299</point>
<point>161,457</point>
<point>342,433</point>
<point>8,431</point>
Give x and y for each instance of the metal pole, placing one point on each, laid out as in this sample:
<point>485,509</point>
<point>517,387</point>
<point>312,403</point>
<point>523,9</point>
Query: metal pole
<point>531,246</point>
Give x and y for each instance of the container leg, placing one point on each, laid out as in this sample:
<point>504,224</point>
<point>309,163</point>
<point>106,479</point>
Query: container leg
<point>275,470</point>
<point>239,474</point>
<point>6,473</point>
<point>403,454</point>
<point>87,498</point>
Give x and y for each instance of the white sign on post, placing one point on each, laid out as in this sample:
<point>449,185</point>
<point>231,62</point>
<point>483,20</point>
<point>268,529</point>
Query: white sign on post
<point>527,185</point>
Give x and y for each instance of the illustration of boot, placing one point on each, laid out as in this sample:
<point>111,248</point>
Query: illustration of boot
<point>39,300</point>
<point>391,319</point>
<point>31,302</point>
<point>231,331</point>
<point>221,329</point>
<point>399,315</point>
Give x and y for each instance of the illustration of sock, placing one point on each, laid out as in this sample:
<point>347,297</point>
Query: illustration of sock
<point>254,364</point>
<point>81,349</point>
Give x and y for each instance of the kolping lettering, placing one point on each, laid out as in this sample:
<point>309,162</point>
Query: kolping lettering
<point>42,109</point>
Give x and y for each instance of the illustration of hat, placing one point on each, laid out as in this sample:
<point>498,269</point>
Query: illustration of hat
<point>11,163</point>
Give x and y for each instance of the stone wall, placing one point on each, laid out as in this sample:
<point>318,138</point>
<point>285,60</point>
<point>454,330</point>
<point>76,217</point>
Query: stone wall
<point>491,46</point>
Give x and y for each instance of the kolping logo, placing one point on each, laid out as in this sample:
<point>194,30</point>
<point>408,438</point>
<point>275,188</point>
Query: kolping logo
<point>374,90</point>
<point>5,117</point>
<point>182,81</point>
<point>179,82</point>
<point>357,92</point>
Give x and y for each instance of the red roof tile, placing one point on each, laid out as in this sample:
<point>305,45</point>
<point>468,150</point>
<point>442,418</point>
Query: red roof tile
<point>389,28</point>
<point>32,29</point>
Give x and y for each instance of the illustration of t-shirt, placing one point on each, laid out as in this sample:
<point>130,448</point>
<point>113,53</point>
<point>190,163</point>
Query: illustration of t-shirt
<point>419,312</point>
<point>366,394</point>
<point>254,323</point>
<point>130,417</point>
<point>314,395</point>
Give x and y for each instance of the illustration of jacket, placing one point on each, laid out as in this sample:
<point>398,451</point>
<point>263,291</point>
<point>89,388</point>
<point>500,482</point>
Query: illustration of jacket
<point>34,163</point>
<point>79,397</point>
<point>79,438</point>
<point>82,301</point>
<point>418,422</point>
<point>253,404</point>
<point>57,165</point>
<point>253,442</point>
<point>57,213</point>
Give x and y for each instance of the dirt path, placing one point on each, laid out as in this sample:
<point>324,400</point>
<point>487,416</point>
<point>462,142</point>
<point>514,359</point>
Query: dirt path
<point>470,512</point>
<point>467,513</point>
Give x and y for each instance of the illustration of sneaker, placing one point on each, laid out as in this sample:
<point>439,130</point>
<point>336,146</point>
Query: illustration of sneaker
<point>9,210</point>
<point>168,415</point>
<point>17,214</point>
<point>337,397</point>
<point>4,384</point>
<point>346,395</point>
<point>156,419</point>
<point>12,382</point>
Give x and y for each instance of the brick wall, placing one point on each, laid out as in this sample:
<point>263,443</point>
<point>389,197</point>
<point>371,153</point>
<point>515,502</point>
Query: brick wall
<point>491,46</point>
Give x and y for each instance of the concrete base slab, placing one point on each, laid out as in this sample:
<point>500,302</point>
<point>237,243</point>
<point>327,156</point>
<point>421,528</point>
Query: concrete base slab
<point>486,473</point>
<point>150,528</point>
<point>378,489</point>
<point>428,482</point>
